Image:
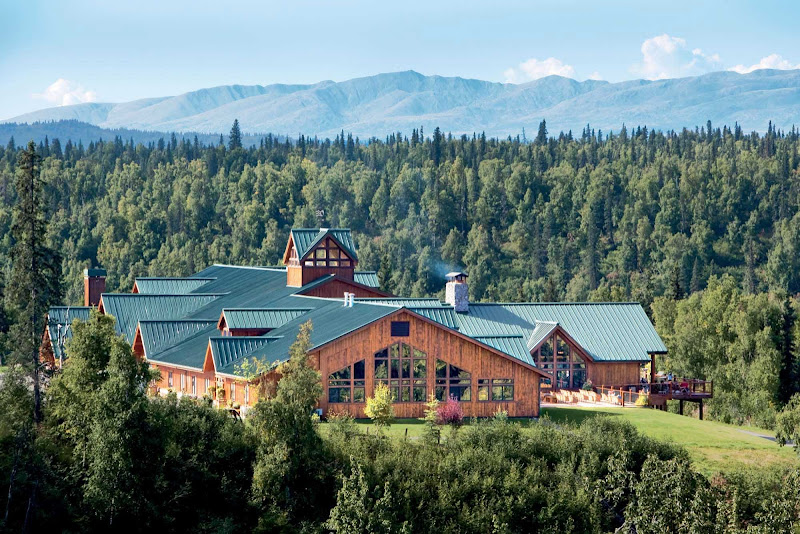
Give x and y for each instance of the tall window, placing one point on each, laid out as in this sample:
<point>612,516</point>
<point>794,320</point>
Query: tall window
<point>452,381</point>
<point>183,382</point>
<point>233,391</point>
<point>169,379</point>
<point>247,394</point>
<point>347,384</point>
<point>208,385</point>
<point>194,385</point>
<point>558,359</point>
<point>328,254</point>
<point>404,370</point>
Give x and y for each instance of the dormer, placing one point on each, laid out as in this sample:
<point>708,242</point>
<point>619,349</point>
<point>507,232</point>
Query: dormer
<point>315,252</point>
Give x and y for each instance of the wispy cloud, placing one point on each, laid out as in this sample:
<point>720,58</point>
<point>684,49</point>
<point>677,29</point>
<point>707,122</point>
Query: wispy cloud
<point>772,61</point>
<point>665,56</point>
<point>65,93</point>
<point>533,69</point>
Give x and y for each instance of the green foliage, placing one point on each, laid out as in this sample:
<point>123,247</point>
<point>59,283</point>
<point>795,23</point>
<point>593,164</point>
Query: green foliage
<point>379,407</point>
<point>731,338</point>
<point>290,472</point>
<point>787,425</point>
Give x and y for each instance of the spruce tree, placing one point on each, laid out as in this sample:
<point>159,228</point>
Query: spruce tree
<point>235,140</point>
<point>36,271</point>
<point>787,376</point>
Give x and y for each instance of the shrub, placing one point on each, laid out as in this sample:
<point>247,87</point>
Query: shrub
<point>587,386</point>
<point>450,413</point>
<point>379,407</point>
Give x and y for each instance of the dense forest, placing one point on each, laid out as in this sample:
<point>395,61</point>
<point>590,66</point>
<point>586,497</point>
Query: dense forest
<point>699,227</point>
<point>656,217</point>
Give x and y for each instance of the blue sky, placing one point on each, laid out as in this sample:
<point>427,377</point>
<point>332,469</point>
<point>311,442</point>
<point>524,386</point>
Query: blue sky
<point>55,52</point>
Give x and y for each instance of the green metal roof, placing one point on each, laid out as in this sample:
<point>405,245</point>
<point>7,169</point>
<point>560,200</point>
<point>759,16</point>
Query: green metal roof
<point>367,278</point>
<point>158,336</point>
<point>230,351</point>
<point>94,272</point>
<point>440,314</point>
<point>261,317</point>
<point>130,308</point>
<point>63,316</point>
<point>612,331</point>
<point>305,239</point>
<point>170,286</point>
<point>514,346</point>
<point>540,333</point>
<point>189,352</point>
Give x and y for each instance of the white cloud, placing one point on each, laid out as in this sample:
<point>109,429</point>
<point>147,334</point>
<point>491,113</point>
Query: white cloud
<point>534,69</point>
<point>65,93</point>
<point>595,76</point>
<point>665,56</point>
<point>772,61</point>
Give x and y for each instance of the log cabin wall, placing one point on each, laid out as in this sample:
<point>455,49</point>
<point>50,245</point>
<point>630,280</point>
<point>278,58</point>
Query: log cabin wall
<point>438,343</point>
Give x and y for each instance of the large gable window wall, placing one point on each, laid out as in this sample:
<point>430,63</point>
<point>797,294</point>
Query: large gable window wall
<point>560,360</point>
<point>404,370</point>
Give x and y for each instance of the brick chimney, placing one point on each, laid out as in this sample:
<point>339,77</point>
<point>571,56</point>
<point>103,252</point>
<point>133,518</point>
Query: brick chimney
<point>94,285</point>
<point>457,291</point>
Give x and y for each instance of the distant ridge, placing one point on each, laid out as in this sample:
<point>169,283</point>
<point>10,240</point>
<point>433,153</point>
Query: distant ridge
<point>385,103</point>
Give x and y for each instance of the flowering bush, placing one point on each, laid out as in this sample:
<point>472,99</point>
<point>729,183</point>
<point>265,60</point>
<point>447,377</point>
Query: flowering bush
<point>449,413</point>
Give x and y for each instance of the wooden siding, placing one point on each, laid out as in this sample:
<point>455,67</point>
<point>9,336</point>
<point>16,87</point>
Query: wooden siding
<point>613,373</point>
<point>438,343</point>
<point>336,289</point>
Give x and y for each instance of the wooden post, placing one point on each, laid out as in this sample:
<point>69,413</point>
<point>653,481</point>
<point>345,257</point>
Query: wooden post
<point>652,368</point>
<point>681,406</point>
<point>701,409</point>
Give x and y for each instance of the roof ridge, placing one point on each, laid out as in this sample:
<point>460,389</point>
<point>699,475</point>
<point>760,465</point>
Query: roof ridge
<point>571,303</point>
<point>269,309</point>
<point>177,321</point>
<point>255,268</point>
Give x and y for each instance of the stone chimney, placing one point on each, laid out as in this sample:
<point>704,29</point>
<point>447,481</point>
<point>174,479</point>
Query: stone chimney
<point>457,291</point>
<point>94,285</point>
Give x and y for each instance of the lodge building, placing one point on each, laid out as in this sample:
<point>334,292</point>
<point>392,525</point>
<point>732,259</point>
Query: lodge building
<point>198,330</point>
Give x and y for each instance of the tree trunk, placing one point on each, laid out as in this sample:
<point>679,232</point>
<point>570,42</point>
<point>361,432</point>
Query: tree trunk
<point>11,485</point>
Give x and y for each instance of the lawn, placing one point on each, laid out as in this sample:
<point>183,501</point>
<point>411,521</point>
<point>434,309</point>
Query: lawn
<point>712,446</point>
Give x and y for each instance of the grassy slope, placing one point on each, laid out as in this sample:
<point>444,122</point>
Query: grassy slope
<point>713,446</point>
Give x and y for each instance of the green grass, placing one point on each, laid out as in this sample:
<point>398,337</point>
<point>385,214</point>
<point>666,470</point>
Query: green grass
<point>3,368</point>
<point>713,447</point>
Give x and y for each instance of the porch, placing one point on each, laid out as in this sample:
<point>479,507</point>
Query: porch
<point>652,394</point>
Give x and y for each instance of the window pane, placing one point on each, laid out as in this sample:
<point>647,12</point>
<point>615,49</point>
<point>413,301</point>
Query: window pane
<point>341,374</point>
<point>508,393</point>
<point>320,253</point>
<point>333,263</point>
<point>483,393</point>
<point>440,390</point>
<point>405,394</point>
<point>381,369</point>
<point>420,368</point>
<point>395,393</point>
<point>419,354</point>
<point>382,354</point>
<point>419,394</point>
<point>406,368</point>
<point>358,370</point>
<point>395,368</point>
<point>333,253</point>
<point>345,263</point>
<point>578,378</point>
<point>562,351</point>
<point>461,393</point>
<point>358,394</point>
<point>320,263</point>
<point>562,379</point>
<point>497,393</point>
<point>395,350</point>
<point>406,351</point>
<point>546,351</point>
<point>441,369</point>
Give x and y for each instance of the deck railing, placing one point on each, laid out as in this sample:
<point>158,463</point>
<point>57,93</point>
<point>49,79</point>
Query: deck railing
<point>626,395</point>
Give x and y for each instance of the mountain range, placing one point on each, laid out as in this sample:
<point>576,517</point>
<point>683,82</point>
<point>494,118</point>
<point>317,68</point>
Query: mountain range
<point>384,103</point>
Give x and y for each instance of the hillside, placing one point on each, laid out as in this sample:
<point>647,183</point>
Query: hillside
<point>401,101</point>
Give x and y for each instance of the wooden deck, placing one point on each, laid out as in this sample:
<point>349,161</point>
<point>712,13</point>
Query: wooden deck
<point>657,394</point>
